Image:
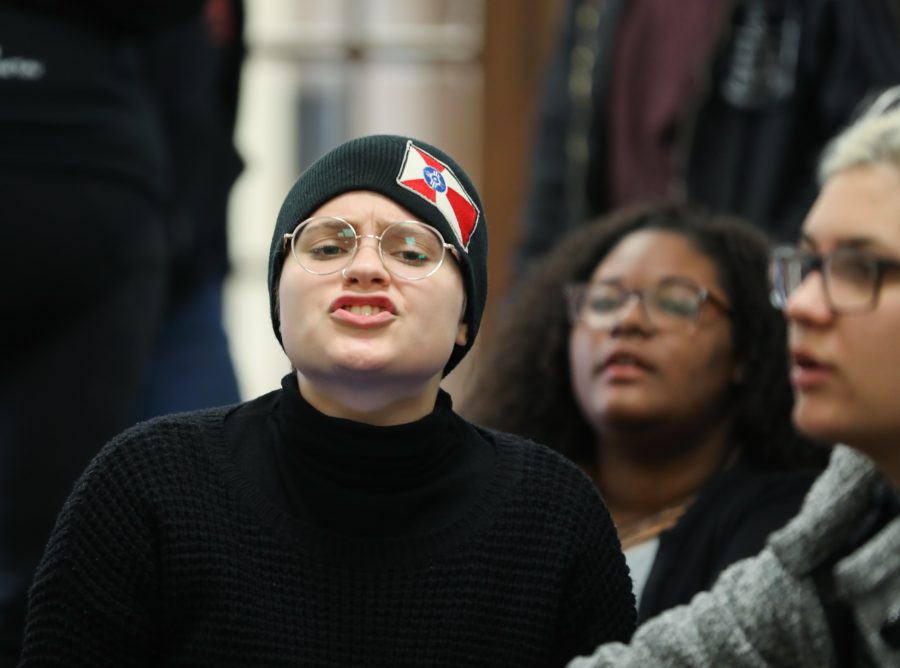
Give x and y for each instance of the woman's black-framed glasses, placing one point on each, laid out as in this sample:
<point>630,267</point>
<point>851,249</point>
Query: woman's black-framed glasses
<point>408,249</point>
<point>672,304</point>
<point>851,278</point>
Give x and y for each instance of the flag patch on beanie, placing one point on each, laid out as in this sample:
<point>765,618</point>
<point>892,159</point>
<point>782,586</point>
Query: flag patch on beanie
<point>424,174</point>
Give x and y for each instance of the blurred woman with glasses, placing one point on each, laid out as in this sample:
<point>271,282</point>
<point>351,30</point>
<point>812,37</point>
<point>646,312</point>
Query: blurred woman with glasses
<point>645,349</point>
<point>825,591</point>
<point>350,518</point>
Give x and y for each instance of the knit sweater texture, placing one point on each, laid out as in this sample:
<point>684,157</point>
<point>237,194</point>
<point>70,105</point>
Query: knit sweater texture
<point>767,611</point>
<point>168,553</point>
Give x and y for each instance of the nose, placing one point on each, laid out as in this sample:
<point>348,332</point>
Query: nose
<point>365,266</point>
<point>808,303</point>
<point>632,316</point>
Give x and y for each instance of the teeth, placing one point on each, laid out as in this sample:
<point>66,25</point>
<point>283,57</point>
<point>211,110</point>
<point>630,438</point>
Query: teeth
<point>364,309</point>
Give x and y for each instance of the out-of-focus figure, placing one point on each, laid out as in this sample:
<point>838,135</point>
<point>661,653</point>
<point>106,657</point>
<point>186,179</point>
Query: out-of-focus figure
<point>194,72</point>
<point>645,349</point>
<point>82,181</point>
<point>825,591</point>
<point>724,103</point>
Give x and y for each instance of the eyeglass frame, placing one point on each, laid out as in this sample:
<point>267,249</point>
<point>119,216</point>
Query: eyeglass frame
<point>822,264</point>
<point>702,293</point>
<point>288,239</point>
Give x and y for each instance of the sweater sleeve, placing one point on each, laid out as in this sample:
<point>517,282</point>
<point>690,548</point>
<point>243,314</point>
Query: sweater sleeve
<point>757,615</point>
<point>92,597</point>
<point>599,604</point>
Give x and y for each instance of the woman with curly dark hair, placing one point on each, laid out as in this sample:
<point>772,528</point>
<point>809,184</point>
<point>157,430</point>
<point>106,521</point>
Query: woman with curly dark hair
<point>645,349</point>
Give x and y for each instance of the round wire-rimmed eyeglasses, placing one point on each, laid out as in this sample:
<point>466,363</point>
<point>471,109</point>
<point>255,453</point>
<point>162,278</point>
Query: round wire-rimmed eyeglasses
<point>672,304</point>
<point>408,249</point>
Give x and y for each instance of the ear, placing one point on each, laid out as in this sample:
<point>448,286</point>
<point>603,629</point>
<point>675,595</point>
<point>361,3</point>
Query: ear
<point>462,334</point>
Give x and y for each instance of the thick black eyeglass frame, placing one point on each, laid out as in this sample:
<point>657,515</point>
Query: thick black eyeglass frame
<point>810,262</point>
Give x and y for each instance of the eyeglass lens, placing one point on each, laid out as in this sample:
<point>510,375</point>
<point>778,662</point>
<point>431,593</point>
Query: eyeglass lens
<point>409,250</point>
<point>850,278</point>
<point>670,306</point>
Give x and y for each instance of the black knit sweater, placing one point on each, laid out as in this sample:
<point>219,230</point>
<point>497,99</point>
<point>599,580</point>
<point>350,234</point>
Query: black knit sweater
<point>232,537</point>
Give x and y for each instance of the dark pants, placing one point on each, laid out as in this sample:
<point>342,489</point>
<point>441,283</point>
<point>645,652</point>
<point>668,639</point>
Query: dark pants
<point>192,365</point>
<point>82,267</point>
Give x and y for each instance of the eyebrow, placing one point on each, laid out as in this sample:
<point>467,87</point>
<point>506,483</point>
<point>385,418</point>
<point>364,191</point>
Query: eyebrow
<point>856,243</point>
<point>619,278</point>
<point>381,224</point>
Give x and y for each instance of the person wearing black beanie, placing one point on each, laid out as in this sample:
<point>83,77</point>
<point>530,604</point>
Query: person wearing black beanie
<point>418,177</point>
<point>351,517</point>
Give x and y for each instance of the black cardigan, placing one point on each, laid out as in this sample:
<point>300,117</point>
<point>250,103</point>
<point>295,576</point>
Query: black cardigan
<point>730,520</point>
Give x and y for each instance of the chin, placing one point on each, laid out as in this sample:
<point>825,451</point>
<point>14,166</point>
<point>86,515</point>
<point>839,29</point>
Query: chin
<point>386,367</point>
<point>820,423</point>
<point>362,354</point>
<point>359,361</point>
<point>367,367</point>
<point>324,364</point>
<point>630,410</point>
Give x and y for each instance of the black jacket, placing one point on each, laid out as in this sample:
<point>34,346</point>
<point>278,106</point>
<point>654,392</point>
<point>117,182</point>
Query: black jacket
<point>72,92</point>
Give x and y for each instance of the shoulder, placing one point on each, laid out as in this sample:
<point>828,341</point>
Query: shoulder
<point>730,520</point>
<point>746,490</point>
<point>151,471</point>
<point>169,431</point>
<point>159,446</point>
<point>735,514</point>
<point>557,504</point>
<point>839,497</point>
<point>550,488</point>
<point>539,465</point>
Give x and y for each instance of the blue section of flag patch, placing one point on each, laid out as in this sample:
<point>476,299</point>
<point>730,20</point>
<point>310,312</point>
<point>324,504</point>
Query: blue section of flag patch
<point>434,179</point>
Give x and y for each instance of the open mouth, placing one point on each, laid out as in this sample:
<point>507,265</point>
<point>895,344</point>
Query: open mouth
<point>370,311</point>
<point>623,367</point>
<point>363,306</point>
<point>362,309</point>
<point>807,362</point>
<point>623,360</point>
<point>807,372</point>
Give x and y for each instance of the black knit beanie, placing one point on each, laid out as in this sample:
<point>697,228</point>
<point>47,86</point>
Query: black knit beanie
<point>418,177</point>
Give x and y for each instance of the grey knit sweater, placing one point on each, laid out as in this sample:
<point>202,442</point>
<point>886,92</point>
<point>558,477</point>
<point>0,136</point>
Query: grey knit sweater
<point>765,610</point>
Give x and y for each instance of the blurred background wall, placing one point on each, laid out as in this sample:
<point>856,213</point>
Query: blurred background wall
<point>462,74</point>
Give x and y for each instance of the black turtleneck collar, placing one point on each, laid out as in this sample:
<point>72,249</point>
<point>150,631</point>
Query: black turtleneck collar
<point>358,479</point>
<point>361,456</point>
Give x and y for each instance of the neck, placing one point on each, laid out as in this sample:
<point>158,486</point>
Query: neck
<point>887,461</point>
<point>383,404</point>
<point>635,486</point>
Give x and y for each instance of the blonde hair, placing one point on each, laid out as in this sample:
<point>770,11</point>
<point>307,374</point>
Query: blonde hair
<point>873,138</point>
